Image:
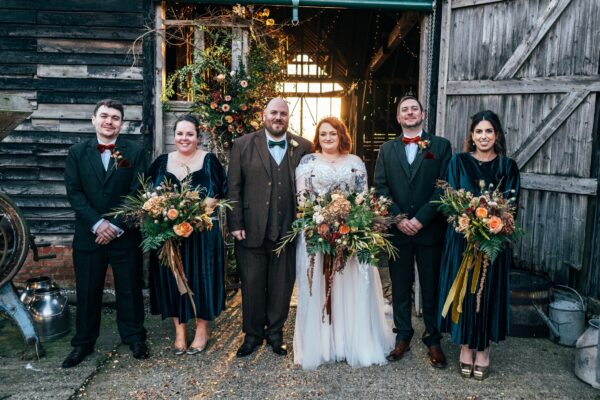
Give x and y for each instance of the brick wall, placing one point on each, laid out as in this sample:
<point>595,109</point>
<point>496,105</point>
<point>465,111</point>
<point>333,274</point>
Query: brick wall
<point>59,269</point>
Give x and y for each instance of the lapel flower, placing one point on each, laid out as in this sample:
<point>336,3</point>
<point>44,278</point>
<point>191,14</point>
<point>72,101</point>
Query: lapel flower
<point>293,145</point>
<point>424,144</point>
<point>120,160</point>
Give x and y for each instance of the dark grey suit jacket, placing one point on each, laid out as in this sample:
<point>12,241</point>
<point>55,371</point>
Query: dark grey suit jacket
<point>93,192</point>
<point>249,181</point>
<point>412,188</point>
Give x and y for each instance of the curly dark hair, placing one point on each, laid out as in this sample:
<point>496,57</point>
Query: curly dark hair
<point>492,118</point>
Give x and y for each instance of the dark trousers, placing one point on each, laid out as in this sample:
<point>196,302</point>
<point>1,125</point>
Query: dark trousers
<point>90,273</point>
<point>402,275</point>
<point>267,284</point>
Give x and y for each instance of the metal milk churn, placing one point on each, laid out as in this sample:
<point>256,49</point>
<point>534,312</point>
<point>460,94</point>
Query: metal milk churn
<point>587,360</point>
<point>48,308</point>
<point>566,318</point>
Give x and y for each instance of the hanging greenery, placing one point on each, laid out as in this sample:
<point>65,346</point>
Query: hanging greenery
<point>228,100</point>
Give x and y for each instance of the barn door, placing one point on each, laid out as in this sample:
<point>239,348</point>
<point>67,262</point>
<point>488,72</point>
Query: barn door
<point>534,62</point>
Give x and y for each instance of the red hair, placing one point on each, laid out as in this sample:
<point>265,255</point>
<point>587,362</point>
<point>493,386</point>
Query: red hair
<point>345,144</point>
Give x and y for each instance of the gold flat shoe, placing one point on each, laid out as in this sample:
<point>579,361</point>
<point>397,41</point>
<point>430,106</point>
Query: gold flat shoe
<point>179,351</point>
<point>480,373</point>
<point>195,350</point>
<point>466,370</point>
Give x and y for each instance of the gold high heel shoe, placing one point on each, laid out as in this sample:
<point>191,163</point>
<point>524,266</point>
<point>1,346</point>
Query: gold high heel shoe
<point>480,373</point>
<point>466,370</point>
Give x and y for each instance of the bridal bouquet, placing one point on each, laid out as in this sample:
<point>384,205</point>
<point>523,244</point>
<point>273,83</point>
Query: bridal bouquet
<point>165,215</point>
<point>341,225</point>
<point>487,222</point>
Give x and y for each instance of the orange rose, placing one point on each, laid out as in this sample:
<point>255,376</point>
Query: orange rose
<point>495,224</point>
<point>463,223</point>
<point>172,214</point>
<point>323,229</point>
<point>481,212</point>
<point>344,229</point>
<point>183,229</point>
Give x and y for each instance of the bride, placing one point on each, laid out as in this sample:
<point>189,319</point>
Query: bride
<point>358,331</point>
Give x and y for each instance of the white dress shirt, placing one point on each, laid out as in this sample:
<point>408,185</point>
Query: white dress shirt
<point>411,150</point>
<point>277,152</point>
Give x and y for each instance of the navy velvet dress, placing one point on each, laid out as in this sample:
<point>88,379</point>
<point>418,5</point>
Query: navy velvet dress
<point>203,254</point>
<point>476,329</point>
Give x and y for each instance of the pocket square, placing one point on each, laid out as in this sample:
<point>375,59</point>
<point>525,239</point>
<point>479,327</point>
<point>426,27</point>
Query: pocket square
<point>429,156</point>
<point>123,163</point>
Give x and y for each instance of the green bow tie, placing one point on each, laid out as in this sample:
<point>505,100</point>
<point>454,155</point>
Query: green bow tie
<point>273,143</point>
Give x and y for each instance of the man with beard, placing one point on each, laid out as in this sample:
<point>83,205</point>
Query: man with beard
<point>262,189</point>
<point>406,171</point>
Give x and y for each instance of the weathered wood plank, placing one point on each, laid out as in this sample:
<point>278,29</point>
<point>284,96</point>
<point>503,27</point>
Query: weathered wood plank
<point>72,126</point>
<point>42,139</point>
<point>18,16</point>
<point>89,71</point>
<point>25,57</point>
<point>41,201</point>
<point>556,84</point>
<point>97,19</point>
<point>532,38</point>
<point>549,125</point>
<point>74,5</point>
<point>79,111</point>
<point>60,31</point>
<point>473,3</point>
<point>53,97</point>
<point>561,184</point>
<point>97,46</point>
<point>33,188</point>
<point>18,69</point>
<point>71,84</point>
<point>445,44</point>
<point>17,44</point>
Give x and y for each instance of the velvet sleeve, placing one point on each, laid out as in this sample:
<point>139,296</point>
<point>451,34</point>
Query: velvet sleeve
<point>217,187</point>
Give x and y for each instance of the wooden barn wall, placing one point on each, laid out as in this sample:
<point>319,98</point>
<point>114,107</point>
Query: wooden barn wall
<point>550,98</point>
<point>64,56</point>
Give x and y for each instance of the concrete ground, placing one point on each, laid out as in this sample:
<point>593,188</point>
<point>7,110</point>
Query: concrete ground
<point>521,369</point>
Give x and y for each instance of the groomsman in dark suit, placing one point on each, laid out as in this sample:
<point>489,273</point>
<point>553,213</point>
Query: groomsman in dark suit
<point>406,171</point>
<point>263,191</point>
<point>95,185</point>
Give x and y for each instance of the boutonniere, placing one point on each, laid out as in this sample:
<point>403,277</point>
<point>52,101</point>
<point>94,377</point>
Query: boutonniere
<point>293,145</point>
<point>120,160</point>
<point>424,144</point>
<point>429,156</point>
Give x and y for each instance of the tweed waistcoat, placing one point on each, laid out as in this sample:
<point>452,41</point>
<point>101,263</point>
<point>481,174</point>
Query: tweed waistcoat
<point>281,208</point>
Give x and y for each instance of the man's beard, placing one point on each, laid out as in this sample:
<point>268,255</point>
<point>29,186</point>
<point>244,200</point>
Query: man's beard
<point>274,133</point>
<point>413,125</point>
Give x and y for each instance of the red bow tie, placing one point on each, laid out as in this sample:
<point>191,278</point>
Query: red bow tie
<point>102,147</point>
<point>414,140</point>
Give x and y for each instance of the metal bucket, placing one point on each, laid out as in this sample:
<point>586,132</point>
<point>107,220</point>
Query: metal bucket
<point>37,283</point>
<point>567,313</point>
<point>587,362</point>
<point>50,313</point>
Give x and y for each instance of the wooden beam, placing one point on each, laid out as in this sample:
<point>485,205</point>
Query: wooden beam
<point>533,37</point>
<point>79,111</point>
<point>406,22</point>
<point>90,71</point>
<point>160,76</point>
<point>96,46</point>
<point>445,30</point>
<point>555,118</point>
<point>211,24</point>
<point>561,184</point>
<point>554,84</point>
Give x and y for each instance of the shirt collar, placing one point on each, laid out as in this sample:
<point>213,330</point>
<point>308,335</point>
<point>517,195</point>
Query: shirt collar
<point>270,137</point>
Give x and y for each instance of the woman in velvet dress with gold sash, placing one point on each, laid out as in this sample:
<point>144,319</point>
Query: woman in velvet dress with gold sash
<point>202,253</point>
<point>484,158</point>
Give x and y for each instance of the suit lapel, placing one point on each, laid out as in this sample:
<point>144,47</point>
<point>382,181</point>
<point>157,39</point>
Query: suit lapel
<point>120,146</point>
<point>291,160</point>
<point>400,152</point>
<point>419,157</point>
<point>260,143</point>
<point>95,160</point>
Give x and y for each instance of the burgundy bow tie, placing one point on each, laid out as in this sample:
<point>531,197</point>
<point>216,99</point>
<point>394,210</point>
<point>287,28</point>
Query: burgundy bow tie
<point>414,140</point>
<point>102,147</point>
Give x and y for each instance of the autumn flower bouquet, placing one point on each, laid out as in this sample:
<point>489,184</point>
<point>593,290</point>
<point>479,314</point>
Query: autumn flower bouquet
<point>487,221</point>
<point>165,215</point>
<point>340,225</point>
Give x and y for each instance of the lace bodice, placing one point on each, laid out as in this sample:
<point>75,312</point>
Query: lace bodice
<point>319,176</point>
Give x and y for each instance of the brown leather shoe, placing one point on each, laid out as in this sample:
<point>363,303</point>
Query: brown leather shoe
<point>398,352</point>
<point>437,357</point>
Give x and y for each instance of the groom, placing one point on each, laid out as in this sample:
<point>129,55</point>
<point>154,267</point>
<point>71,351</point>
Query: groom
<point>95,185</point>
<point>406,171</point>
<point>262,189</point>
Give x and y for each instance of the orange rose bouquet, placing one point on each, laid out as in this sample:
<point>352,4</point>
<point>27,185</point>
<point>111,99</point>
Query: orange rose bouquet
<point>165,215</point>
<point>341,225</point>
<point>487,221</point>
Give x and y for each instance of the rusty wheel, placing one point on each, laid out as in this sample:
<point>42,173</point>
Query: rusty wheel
<point>14,239</point>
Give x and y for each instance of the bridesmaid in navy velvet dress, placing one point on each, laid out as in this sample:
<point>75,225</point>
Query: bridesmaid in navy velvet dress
<point>484,158</point>
<point>202,253</point>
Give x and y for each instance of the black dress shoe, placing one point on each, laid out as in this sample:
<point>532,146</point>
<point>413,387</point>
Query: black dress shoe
<point>77,355</point>
<point>247,348</point>
<point>279,348</point>
<point>139,350</point>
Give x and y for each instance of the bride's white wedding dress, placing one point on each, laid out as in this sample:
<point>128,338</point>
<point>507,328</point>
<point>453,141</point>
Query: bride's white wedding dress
<point>359,332</point>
